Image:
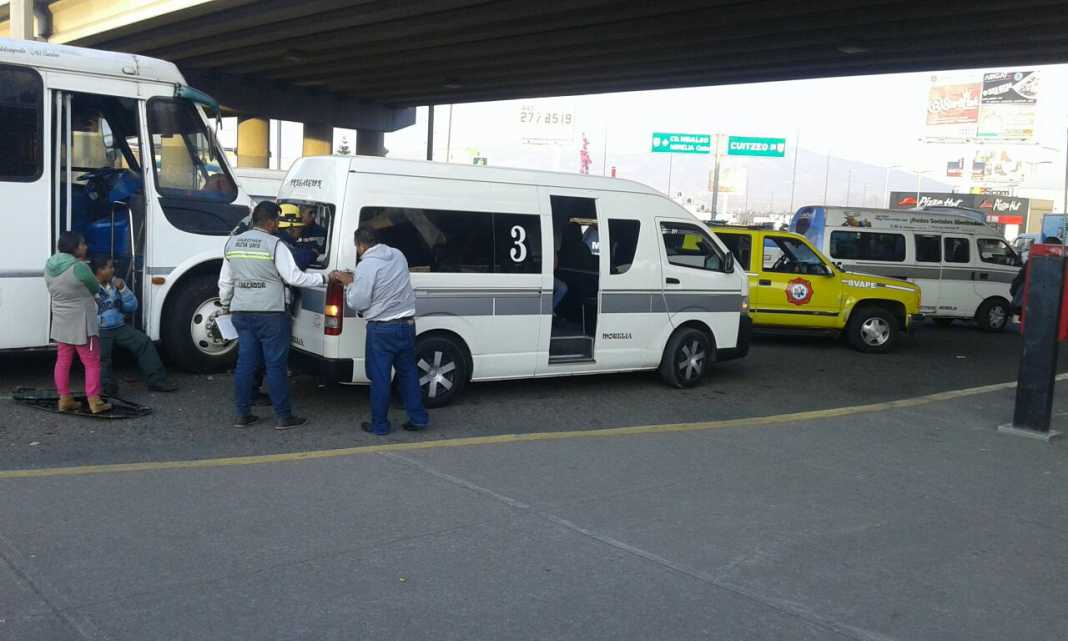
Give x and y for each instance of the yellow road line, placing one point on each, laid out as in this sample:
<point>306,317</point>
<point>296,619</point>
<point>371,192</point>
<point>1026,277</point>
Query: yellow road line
<point>758,421</point>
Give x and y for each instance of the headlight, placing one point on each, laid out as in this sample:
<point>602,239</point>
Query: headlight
<point>745,304</point>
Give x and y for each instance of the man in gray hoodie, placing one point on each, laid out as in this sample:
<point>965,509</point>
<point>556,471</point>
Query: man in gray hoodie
<point>381,291</point>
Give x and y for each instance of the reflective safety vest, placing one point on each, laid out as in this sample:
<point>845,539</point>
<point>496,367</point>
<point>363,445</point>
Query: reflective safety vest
<point>258,287</point>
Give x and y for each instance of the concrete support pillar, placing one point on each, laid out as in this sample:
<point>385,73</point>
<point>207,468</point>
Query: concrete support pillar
<point>370,142</point>
<point>318,139</point>
<point>253,141</point>
<point>21,19</point>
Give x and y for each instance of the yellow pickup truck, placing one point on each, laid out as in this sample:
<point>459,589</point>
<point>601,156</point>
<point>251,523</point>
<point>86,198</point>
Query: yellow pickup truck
<point>792,285</point>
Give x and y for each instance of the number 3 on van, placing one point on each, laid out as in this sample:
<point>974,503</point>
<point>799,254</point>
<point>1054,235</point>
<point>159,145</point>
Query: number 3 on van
<point>519,252</point>
<point>798,291</point>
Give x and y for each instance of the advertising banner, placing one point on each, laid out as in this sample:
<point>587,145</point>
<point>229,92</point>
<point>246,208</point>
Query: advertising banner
<point>1007,107</point>
<point>953,104</point>
<point>955,168</point>
<point>1002,210</point>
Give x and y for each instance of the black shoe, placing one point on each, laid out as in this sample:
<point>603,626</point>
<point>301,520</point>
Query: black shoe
<point>411,427</point>
<point>165,386</point>
<point>245,421</point>
<point>365,426</point>
<point>259,399</point>
<point>290,422</point>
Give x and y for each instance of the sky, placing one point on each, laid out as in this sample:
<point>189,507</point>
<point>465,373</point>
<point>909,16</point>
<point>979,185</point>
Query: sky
<point>865,123</point>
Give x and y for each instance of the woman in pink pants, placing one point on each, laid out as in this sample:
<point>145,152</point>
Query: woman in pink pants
<point>74,322</point>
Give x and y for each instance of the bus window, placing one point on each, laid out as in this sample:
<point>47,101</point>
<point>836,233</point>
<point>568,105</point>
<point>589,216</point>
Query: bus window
<point>928,248</point>
<point>186,160</point>
<point>957,250</point>
<point>442,241</point>
<point>21,114</point>
<point>996,251</point>
<point>866,245</point>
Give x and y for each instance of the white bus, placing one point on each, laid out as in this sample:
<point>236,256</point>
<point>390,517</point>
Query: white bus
<point>118,147</point>
<point>963,266</point>
<point>484,246</point>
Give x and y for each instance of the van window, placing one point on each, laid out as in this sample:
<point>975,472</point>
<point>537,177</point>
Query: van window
<point>741,245</point>
<point>624,237</point>
<point>689,246</point>
<point>997,252</point>
<point>957,250</point>
<point>186,162</point>
<point>786,255</point>
<point>459,242</point>
<point>21,115</point>
<point>865,245</point>
<point>928,248</point>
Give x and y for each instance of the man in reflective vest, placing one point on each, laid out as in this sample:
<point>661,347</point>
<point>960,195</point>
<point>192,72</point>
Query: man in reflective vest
<point>256,268</point>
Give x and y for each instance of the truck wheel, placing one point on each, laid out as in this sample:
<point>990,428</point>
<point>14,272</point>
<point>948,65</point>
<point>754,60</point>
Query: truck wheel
<point>872,329</point>
<point>189,334</point>
<point>993,315</point>
<point>686,358</point>
<point>441,364</point>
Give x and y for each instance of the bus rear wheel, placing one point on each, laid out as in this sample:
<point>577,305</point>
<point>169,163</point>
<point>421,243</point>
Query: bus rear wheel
<point>686,358</point>
<point>189,334</point>
<point>442,367</point>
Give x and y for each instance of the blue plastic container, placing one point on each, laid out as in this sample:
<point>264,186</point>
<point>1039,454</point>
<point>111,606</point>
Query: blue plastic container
<point>98,236</point>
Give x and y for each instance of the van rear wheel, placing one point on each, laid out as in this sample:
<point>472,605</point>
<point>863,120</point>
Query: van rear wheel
<point>686,358</point>
<point>993,315</point>
<point>441,364</point>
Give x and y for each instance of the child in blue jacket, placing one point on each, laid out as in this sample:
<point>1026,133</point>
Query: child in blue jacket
<point>113,302</point>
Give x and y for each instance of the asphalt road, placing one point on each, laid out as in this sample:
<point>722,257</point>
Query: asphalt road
<point>781,374</point>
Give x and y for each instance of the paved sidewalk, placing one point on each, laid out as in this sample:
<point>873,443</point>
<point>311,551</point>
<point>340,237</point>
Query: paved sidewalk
<point>912,523</point>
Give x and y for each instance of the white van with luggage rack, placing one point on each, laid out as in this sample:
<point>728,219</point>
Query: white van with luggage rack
<point>962,265</point>
<point>485,247</point>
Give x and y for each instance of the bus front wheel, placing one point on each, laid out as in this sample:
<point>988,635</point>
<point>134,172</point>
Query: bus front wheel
<point>190,336</point>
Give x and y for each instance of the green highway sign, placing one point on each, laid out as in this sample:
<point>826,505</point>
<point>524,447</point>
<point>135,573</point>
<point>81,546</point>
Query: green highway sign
<point>682,143</point>
<point>751,146</point>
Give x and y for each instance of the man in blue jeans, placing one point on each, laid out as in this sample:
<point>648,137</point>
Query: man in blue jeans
<point>256,269</point>
<point>381,291</point>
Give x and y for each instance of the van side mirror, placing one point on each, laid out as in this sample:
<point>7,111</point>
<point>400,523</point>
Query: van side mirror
<point>728,263</point>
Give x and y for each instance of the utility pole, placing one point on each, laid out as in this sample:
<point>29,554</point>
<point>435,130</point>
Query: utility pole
<point>793,179</point>
<point>430,134</point>
<point>671,156</point>
<point>604,155</point>
<point>715,182</point>
<point>448,138</point>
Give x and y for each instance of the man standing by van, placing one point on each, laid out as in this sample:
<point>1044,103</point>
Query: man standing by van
<point>252,284</point>
<point>381,291</point>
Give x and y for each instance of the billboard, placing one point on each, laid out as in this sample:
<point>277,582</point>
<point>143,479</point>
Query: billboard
<point>1002,210</point>
<point>544,123</point>
<point>1007,107</point>
<point>955,168</point>
<point>997,106</point>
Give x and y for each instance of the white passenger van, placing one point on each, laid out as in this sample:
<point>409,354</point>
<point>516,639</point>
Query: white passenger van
<point>117,147</point>
<point>483,246</point>
<point>963,266</point>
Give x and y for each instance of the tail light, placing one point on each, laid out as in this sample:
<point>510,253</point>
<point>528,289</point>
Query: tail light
<point>334,309</point>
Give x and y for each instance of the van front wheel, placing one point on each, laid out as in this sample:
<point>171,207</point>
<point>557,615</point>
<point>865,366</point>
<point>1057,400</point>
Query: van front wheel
<point>993,315</point>
<point>686,358</point>
<point>441,365</point>
<point>872,329</point>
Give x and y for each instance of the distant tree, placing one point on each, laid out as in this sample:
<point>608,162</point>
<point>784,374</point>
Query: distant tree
<point>343,148</point>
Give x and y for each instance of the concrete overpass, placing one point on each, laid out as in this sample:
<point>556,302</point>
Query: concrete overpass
<point>364,64</point>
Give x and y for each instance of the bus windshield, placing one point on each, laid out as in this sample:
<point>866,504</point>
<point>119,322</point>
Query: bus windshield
<point>187,161</point>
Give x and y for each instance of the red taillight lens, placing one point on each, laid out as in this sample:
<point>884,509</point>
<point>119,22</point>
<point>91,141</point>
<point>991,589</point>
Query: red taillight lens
<point>334,309</point>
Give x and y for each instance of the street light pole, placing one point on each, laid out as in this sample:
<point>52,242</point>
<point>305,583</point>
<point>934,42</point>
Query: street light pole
<point>827,177</point>
<point>793,178</point>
